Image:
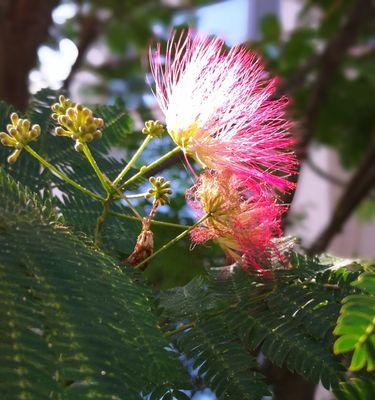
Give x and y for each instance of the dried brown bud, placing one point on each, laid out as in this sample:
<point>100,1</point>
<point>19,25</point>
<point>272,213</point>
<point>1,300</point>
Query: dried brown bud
<point>144,246</point>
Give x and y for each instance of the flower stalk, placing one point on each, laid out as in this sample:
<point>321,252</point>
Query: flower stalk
<point>150,167</point>
<point>132,160</point>
<point>61,175</point>
<point>153,222</point>
<point>101,219</point>
<point>172,242</point>
<point>181,328</point>
<point>103,180</point>
<point>136,196</point>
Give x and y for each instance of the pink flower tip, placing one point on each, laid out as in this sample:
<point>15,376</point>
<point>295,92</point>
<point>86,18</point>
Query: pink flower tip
<point>244,222</point>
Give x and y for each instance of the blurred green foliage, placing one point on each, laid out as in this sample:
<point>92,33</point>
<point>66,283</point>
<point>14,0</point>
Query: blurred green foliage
<point>347,120</point>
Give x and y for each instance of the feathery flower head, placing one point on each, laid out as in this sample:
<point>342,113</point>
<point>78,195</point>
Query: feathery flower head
<point>218,109</point>
<point>245,223</point>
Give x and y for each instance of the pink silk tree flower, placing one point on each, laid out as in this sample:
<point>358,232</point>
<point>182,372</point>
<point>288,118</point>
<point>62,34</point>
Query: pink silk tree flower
<point>245,223</point>
<point>218,108</point>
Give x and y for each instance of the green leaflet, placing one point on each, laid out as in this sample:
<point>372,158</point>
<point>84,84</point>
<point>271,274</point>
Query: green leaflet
<point>356,324</point>
<point>73,324</point>
<point>289,320</point>
<point>362,388</point>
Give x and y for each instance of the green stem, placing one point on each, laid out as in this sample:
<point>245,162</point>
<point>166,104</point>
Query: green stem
<point>130,205</point>
<point>172,242</point>
<point>61,175</point>
<point>151,166</point>
<point>135,196</point>
<point>162,223</point>
<point>132,160</point>
<point>181,328</point>
<point>101,219</point>
<point>94,165</point>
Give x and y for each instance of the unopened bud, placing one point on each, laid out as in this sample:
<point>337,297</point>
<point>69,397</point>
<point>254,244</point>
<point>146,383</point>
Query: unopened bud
<point>60,131</point>
<point>86,113</point>
<point>78,146</point>
<point>13,157</point>
<point>26,125</point>
<point>7,140</point>
<point>160,190</point>
<point>153,128</point>
<point>14,118</point>
<point>69,124</point>
<point>97,134</point>
<point>35,130</point>
<point>99,122</point>
<point>88,137</point>
<point>70,112</point>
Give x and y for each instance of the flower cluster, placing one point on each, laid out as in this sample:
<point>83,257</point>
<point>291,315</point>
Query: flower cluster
<point>160,190</point>
<point>77,122</point>
<point>219,109</point>
<point>242,221</point>
<point>20,133</point>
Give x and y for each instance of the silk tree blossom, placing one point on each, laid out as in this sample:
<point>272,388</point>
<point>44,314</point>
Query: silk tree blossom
<point>218,109</point>
<point>245,223</point>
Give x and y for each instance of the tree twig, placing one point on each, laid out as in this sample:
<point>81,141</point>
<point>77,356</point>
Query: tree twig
<point>329,62</point>
<point>324,174</point>
<point>360,185</point>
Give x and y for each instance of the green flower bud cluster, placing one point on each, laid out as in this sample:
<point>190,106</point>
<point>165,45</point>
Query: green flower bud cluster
<point>153,128</point>
<point>20,133</point>
<point>61,107</point>
<point>160,190</point>
<point>77,122</point>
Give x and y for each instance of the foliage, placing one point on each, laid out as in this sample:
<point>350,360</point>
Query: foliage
<point>342,124</point>
<point>289,320</point>
<point>125,29</point>
<point>79,212</point>
<point>73,323</point>
<point>356,324</point>
<point>356,388</point>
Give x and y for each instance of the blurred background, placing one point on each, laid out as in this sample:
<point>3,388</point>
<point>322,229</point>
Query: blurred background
<point>323,50</point>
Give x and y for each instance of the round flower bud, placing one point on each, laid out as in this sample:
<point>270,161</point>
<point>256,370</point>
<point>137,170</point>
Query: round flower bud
<point>78,146</point>
<point>153,128</point>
